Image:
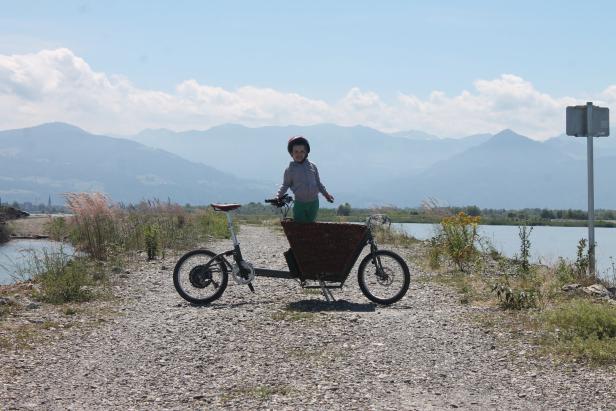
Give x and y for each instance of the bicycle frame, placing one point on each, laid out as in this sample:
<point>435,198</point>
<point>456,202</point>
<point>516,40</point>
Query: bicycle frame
<point>310,260</point>
<point>236,252</point>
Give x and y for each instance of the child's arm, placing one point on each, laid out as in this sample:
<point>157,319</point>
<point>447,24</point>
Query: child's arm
<point>322,188</point>
<point>286,183</point>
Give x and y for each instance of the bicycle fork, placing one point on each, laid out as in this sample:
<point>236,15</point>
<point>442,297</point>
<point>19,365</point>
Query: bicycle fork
<point>376,260</point>
<point>237,252</point>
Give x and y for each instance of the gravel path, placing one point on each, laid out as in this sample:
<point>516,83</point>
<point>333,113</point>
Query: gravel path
<point>284,348</point>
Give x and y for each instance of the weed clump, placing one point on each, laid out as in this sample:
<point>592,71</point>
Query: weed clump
<point>151,234</point>
<point>61,277</point>
<point>512,298</point>
<point>456,240</point>
<point>583,329</point>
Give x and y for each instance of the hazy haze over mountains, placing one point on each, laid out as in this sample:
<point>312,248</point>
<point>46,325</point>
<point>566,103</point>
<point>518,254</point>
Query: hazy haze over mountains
<point>56,158</point>
<point>354,156</point>
<point>359,165</point>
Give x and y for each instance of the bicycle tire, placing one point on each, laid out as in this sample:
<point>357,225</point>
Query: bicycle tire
<point>393,260</point>
<point>200,276</point>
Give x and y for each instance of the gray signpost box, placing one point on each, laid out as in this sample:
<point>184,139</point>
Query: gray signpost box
<point>589,121</point>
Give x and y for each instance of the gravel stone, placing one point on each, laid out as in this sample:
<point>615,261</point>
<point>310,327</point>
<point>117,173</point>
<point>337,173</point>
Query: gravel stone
<point>286,348</point>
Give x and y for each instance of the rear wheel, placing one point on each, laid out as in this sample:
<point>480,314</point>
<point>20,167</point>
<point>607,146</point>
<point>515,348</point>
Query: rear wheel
<point>200,278</point>
<point>383,277</point>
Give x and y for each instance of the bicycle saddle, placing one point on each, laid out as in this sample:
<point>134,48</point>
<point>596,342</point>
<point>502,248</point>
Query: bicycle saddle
<point>225,207</point>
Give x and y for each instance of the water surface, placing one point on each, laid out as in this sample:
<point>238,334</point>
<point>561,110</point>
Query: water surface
<point>16,255</point>
<point>547,243</point>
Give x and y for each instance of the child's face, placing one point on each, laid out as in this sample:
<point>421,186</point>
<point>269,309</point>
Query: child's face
<point>299,153</point>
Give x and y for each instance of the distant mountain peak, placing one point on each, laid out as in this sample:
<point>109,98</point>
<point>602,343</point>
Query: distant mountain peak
<point>58,126</point>
<point>507,132</point>
<point>508,138</point>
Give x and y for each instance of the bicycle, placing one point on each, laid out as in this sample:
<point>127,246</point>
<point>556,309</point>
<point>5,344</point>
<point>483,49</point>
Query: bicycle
<point>321,253</point>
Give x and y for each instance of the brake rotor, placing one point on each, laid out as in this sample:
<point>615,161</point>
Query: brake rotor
<point>384,278</point>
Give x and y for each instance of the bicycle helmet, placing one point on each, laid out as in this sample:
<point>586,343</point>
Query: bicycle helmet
<point>298,140</point>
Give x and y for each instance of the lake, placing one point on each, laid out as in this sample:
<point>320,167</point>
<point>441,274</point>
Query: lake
<point>547,243</point>
<point>16,253</point>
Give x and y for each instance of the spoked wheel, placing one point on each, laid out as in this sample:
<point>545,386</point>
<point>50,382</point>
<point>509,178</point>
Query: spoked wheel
<point>383,277</point>
<point>200,279</point>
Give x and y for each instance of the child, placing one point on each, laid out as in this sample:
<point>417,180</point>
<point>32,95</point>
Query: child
<point>302,177</point>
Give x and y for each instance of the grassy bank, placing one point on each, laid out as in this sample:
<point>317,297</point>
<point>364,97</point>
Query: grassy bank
<point>550,305</point>
<point>107,236</point>
<point>76,290</point>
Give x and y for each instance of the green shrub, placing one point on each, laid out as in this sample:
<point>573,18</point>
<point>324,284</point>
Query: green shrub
<point>151,234</point>
<point>57,228</point>
<point>524,259</point>
<point>458,237</point>
<point>576,272</point>
<point>564,272</point>
<point>73,283</point>
<point>515,298</point>
<point>582,260</point>
<point>583,329</point>
<point>434,252</point>
<point>61,278</point>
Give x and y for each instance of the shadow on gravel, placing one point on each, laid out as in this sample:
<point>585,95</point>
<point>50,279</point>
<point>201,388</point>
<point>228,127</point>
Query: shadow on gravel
<point>220,306</point>
<point>320,305</point>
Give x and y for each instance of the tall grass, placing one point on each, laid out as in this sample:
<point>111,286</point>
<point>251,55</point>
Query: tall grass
<point>93,222</point>
<point>102,229</point>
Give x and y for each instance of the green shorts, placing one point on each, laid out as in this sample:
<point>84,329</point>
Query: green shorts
<point>305,212</point>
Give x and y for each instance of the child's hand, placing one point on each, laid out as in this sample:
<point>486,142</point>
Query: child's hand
<point>329,197</point>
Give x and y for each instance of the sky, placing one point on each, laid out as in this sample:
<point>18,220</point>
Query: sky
<point>449,68</point>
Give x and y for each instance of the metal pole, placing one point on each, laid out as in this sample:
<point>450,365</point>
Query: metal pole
<point>591,192</point>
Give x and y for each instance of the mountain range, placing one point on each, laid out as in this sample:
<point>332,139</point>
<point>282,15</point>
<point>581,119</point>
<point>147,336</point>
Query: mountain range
<point>359,165</point>
<point>56,158</point>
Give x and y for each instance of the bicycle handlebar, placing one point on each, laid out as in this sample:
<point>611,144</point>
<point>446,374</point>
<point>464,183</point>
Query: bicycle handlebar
<point>280,202</point>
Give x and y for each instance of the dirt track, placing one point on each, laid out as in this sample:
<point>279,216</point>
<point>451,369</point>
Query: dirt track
<point>283,348</point>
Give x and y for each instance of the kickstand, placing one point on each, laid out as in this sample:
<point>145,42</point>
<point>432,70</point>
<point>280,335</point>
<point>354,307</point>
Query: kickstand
<point>326,292</point>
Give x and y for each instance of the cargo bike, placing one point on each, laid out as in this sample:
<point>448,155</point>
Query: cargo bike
<point>321,256</point>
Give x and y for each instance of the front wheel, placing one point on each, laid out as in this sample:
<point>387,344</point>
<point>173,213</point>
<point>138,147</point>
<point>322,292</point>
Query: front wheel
<point>383,277</point>
<point>199,277</point>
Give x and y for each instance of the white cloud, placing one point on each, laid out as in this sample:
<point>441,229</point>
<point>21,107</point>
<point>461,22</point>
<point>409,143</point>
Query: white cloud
<point>57,85</point>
